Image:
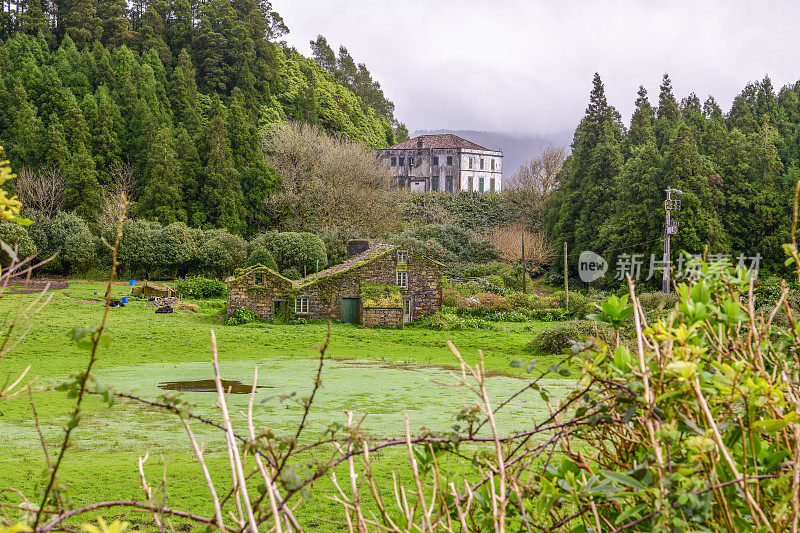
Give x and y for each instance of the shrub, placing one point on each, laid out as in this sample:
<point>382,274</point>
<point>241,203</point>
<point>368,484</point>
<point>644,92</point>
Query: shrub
<point>304,252</point>
<point>50,237</point>
<point>175,247</point>
<point>479,251</point>
<point>767,291</point>
<point>17,238</point>
<point>200,287</point>
<point>450,298</point>
<point>652,301</point>
<point>241,316</point>
<point>80,252</point>
<point>448,243</point>
<point>222,252</point>
<point>292,273</point>
<point>554,340</point>
<point>261,256</point>
<point>137,245</point>
<point>444,321</point>
<point>579,305</point>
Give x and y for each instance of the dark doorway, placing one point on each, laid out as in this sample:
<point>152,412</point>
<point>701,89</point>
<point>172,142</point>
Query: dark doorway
<point>349,310</point>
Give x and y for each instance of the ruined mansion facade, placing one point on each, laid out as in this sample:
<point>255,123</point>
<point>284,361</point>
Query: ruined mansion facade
<point>444,162</point>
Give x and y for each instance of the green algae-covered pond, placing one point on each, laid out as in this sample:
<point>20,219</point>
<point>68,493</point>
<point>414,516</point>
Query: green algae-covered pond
<point>380,390</point>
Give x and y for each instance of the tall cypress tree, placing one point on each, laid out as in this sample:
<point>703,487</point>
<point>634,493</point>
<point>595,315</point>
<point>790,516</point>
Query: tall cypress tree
<point>641,130</point>
<point>162,197</point>
<point>191,170</point>
<point>221,190</point>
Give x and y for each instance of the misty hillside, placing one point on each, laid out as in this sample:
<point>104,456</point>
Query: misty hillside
<point>518,148</point>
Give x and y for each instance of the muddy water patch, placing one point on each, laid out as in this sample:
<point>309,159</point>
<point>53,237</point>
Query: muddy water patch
<point>209,385</point>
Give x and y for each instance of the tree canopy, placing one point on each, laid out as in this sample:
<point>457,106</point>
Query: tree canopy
<point>173,93</point>
<point>737,172</point>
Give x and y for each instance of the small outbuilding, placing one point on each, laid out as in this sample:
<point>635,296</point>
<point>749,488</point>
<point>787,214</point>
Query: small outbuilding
<point>383,285</point>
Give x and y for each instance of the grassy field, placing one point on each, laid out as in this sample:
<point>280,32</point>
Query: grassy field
<point>378,373</point>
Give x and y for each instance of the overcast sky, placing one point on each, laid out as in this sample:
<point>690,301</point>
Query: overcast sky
<point>527,66</point>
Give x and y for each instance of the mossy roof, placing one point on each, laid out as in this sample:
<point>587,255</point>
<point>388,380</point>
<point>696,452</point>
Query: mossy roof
<point>354,262</point>
<point>257,268</point>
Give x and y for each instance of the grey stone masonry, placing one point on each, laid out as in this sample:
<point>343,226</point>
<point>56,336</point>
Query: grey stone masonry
<point>324,291</point>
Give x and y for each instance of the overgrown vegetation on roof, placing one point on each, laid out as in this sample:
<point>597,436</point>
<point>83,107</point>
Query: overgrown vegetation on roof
<point>381,296</point>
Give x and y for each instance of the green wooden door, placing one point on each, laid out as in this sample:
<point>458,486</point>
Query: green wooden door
<point>349,309</point>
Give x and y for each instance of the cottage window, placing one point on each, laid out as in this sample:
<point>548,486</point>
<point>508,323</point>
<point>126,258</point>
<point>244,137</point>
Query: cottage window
<point>470,162</point>
<point>448,184</point>
<point>402,279</point>
<point>259,278</point>
<point>492,164</point>
<point>410,161</point>
<point>481,163</point>
<point>402,161</point>
<point>480,184</point>
<point>434,183</point>
<point>469,183</point>
<point>301,305</point>
<point>402,257</point>
<point>435,161</point>
<point>394,161</point>
<point>491,184</point>
<point>449,159</point>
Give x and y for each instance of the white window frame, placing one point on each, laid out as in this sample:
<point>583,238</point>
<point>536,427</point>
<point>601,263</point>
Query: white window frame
<point>301,305</point>
<point>402,257</point>
<point>402,279</point>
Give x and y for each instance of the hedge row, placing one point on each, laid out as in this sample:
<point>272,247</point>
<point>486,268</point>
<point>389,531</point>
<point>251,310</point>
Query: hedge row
<point>153,251</point>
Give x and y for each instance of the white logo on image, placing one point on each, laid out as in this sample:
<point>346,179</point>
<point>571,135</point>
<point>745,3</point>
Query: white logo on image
<point>591,267</point>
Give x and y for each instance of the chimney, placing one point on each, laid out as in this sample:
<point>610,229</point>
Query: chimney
<point>419,142</point>
<point>356,246</point>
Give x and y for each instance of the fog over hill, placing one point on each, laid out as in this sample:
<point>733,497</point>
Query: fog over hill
<point>518,148</point>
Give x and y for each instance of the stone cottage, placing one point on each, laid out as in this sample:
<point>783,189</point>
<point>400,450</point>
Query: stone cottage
<point>382,285</point>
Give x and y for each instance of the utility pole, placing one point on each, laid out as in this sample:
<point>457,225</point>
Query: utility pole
<point>524,278</point>
<point>670,228</point>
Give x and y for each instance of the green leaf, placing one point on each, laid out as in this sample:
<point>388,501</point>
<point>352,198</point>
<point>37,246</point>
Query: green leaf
<point>517,363</point>
<point>769,425</point>
<point>623,479</point>
<point>628,513</point>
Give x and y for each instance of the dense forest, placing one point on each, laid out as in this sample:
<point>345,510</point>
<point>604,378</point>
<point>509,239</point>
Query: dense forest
<point>167,100</point>
<point>737,171</point>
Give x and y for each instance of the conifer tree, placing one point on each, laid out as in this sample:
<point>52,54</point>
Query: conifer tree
<point>162,197</point>
<point>667,105</point>
<point>19,139</point>
<point>183,94</point>
<point>191,169</point>
<point>115,23</point>
<point>641,130</point>
<point>221,191</point>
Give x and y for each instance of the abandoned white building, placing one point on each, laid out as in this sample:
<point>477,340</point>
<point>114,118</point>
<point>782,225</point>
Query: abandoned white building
<point>445,162</point>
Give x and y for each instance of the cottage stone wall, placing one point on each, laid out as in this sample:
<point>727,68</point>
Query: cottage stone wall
<point>243,293</point>
<point>325,294</point>
<point>385,317</point>
<point>424,285</point>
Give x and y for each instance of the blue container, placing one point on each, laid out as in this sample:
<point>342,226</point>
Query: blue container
<point>132,282</point>
<point>124,299</point>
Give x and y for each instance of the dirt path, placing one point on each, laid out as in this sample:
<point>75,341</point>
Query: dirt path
<point>536,286</point>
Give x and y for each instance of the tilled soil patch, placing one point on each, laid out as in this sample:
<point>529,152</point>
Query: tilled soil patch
<point>34,285</point>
